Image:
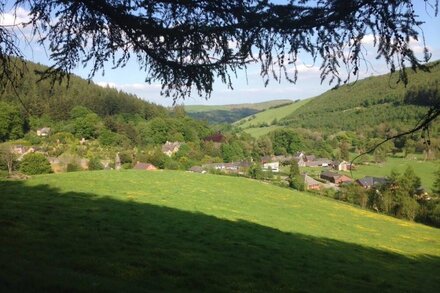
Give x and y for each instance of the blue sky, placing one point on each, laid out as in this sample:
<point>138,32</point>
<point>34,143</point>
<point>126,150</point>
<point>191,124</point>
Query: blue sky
<point>248,86</point>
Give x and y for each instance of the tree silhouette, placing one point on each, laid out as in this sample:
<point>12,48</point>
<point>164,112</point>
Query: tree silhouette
<point>187,44</point>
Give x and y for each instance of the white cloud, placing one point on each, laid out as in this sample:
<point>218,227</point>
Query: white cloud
<point>417,46</point>
<point>16,17</point>
<point>368,40</point>
<point>106,84</point>
<point>304,68</point>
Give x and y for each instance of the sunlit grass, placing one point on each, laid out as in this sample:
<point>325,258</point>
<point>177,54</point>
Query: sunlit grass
<point>177,231</point>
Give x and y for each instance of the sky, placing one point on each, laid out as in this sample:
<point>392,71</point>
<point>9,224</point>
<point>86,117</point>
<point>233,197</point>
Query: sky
<point>248,85</point>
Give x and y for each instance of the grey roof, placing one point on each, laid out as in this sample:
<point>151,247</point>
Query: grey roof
<point>330,174</point>
<point>196,169</point>
<point>369,181</point>
<point>309,180</point>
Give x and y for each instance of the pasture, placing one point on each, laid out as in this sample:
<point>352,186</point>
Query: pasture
<point>176,231</point>
<point>269,115</point>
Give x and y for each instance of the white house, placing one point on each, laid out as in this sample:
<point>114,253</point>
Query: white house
<point>273,166</point>
<point>45,131</point>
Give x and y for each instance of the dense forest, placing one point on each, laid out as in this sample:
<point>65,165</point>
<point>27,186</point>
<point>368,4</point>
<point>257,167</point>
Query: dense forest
<point>369,104</point>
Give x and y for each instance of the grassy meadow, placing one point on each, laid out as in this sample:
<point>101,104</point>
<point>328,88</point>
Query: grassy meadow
<point>175,231</point>
<point>424,169</point>
<point>269,115</point>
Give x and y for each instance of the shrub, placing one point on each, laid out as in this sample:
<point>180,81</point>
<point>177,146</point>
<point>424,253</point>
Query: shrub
<point>35,163</point>
<point>255,171</point>
<point>127,166</point>
<point>171,165</point>
<point>73,167</point>
<point>95,164</point>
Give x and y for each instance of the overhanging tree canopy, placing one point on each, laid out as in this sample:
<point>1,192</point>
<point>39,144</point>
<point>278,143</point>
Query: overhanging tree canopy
<point>187,44</point>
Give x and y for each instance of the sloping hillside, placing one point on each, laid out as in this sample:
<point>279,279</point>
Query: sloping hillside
<point>56,100</point>
<point>361,107</point>
<point>270,116</point>
<point>365,104</point>
<point>231,113</point>
<point>175,231</point>
<point>255,106</point>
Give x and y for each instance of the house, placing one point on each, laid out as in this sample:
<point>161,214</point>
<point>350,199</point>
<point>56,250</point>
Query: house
<point>197,169</point>
<point>310,183</point>
<point>341,165</point>
<point>335,177</point>
<point>329,176</point>
<point>144,166</point>
<point>170,148</point>
<point>300,161</point>
<point>321,162</point>
<point>368,182</point>
<point>245,164</point>
<point>234,167</point>
<point>342,179</point>
<point>284,160</point>
<point>309,158</point>
<point>273,166</point>
<point>311,164</point>
<point>266,159</point>
<point>299,155</point>
<point>45,131</point>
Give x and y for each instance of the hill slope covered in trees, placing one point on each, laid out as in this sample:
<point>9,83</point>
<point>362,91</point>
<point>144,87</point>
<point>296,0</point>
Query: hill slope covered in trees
<point>367,104</point>
<point>373,107</point>
<point>56,100</point>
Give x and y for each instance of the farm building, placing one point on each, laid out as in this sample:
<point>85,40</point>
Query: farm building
<point>368,181</point>
<point>310,183</point>
<point>170,148</point>
<point>335,177</point>
<point>144,166</point>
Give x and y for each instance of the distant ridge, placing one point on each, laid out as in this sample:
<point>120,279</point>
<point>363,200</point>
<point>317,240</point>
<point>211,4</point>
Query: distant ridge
<point>256,106</point>
<point>232,112</point>
<point>361,106</point>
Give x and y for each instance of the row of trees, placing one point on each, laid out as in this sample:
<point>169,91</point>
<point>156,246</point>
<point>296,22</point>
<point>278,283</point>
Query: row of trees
<point>401,197</point>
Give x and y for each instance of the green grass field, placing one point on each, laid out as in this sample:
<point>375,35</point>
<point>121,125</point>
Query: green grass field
<point>269,115</point>
<point>424,169</point>
<point>173,231</point>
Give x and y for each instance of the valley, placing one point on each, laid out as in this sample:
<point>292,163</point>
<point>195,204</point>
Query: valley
<point>101,188</point>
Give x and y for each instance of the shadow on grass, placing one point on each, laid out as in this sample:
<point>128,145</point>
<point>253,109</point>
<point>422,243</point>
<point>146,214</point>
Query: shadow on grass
<point>56,241</point>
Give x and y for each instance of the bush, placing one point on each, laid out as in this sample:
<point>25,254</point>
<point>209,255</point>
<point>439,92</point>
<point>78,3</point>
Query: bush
<point>73,167</point>
<point>127,166</point>
<point>172,165</point>
<point>33,164</point>
<point>95,164</point>
<point>255,171</point>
